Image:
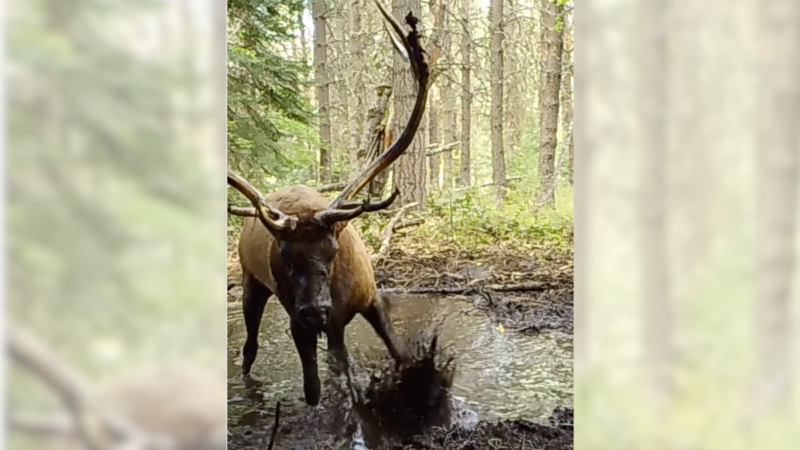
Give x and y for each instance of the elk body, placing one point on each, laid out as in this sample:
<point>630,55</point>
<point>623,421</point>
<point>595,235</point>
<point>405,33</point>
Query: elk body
<point>300,247</point>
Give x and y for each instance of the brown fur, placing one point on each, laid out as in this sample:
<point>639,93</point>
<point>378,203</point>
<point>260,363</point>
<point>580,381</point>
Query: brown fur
<point>353,279</point>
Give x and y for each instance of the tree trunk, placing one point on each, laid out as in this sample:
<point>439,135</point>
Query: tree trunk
<point>321,70</point>
<point>566,96</point>
<point>409,170</point>
<point>433,166</point>
<point>355,81</point>
<point>312,168</point>
<point>464,176</point>
<point>450,115</point>
<point>450,135</point>
<point>372,142</point>
<point>498,157</point>
<point>548,99</point>
<point>656,286</point>
<point>778,160</point>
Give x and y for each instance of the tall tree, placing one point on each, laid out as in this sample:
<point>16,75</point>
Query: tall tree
<point>498,156</point>
<point>433,116</point>
<point>778,172</point>
<point>464,177</point>
<point>323,99</point>
<point>409,170</point>
<point>450,114</point>
<point>566,93</point>
<point>552,46</point>
<point>355,78</point>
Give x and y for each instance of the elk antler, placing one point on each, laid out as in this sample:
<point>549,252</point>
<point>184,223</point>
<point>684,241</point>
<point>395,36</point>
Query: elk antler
<point>420,68</point>
<point>351,210</point>
<point>242,211</point>
<point>271,217</point>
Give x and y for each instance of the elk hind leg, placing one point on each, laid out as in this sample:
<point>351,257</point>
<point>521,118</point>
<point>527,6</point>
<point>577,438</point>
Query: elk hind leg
<point>377,316</point>
<point>306,343</point>
<point>254,299</point>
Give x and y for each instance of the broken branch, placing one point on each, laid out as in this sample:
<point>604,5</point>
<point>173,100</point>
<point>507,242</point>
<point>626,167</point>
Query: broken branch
<point>410,223</point>
<point>443,149</point>
<point>389,231</point>
<point>332,187</point>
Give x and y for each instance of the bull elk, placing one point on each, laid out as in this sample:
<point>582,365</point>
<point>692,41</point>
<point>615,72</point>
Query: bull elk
<point>301,247</point>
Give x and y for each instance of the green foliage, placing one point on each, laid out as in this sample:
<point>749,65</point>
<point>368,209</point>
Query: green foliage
<point>269,115</point>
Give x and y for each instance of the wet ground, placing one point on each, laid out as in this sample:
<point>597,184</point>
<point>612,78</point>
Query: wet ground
<point>513,359</point>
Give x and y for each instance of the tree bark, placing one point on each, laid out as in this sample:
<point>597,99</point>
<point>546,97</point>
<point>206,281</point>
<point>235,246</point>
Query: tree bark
<point>409,170</point>
<point>464,176</point>
<point>778,161</point>
<point>433,161</point>
<point>566,96</point>
<point>356,88</point>
<point>656,286</point>
<point>450,114</point>
<point>498,156</point>
<point>372,140</point>
<point>548,99</point>
<point>323,100</point>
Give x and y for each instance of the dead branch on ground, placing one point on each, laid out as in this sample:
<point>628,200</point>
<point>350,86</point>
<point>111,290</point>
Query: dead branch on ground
<point>275,426</point>
<point>389,231</point>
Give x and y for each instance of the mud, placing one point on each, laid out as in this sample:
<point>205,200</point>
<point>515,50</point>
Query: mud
<point>306,428</point>
<point>429,418</point>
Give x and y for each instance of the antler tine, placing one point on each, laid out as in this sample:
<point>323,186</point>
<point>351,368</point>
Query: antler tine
<point>242,211</point>
<point>420,69</point>
<point>331,216</point>
<point>270,216</point>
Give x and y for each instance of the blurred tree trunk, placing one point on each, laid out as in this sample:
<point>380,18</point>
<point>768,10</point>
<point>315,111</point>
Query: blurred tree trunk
<point>566,95</point>
<point>553,47</point>
<point>656,287</point>
<point>464,176</point>
<point>323,100</point>
<point>498,156</point>
<point>778,159</point>
<point>409,170</point>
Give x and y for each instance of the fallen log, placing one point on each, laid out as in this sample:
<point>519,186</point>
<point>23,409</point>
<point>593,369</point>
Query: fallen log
<point>467,290</point>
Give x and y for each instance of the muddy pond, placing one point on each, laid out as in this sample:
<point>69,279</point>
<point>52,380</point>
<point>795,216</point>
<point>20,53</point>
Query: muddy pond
<point>500,374</point>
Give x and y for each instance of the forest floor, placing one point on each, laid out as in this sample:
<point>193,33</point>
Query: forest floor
<point>525,288</point>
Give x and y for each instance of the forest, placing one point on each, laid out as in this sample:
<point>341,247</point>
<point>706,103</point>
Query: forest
<point>483,223</point>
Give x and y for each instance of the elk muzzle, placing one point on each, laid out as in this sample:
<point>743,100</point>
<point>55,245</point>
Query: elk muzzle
<point>314,305</point>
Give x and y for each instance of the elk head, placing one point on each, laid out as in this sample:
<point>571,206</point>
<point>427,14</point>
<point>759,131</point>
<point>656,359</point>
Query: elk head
<point>307,245</point>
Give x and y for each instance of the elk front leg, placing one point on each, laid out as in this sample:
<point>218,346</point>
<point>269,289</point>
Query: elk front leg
<point>377,317</point>
<point>254,299</point>
<point>306,343</point>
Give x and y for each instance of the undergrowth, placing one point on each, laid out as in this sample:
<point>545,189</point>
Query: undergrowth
<point>472,220</point>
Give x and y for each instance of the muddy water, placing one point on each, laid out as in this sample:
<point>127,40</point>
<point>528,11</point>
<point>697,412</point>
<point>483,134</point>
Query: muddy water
<point>500,374</point>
